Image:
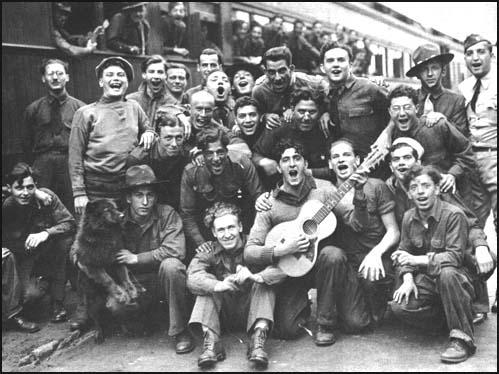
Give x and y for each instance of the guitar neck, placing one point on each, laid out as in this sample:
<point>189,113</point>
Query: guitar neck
<point>331,204</point>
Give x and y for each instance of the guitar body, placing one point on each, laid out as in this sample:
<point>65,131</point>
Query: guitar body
<point>299,264</point>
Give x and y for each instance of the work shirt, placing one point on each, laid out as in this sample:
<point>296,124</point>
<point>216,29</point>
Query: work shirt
<point>483,122</point>
<point>444,240</point>
<point>102,135</point>
<point>47,124</point>
<point>123,34</point>
<point>161,237</point>
<point>149,102</point>
<point>18,222</point>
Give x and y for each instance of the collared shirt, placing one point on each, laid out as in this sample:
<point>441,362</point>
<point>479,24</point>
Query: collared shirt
<point>20,221</point>
<point>444,146</point>
<point>449,103</point>
<point>239,183</point>
<point>123,34</point>
<point>483,122</point>
<point>102,135</point>
<point>42,134</point>
<point>362,112</point>
<point>161,237</point>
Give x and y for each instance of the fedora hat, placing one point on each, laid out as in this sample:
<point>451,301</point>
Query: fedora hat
<point>426,53</point>
<point>255,70</point>
<point>115,61</point>
<point>140,176</point>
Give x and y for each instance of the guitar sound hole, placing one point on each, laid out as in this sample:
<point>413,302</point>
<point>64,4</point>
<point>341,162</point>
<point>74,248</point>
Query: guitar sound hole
<point>310,227</point>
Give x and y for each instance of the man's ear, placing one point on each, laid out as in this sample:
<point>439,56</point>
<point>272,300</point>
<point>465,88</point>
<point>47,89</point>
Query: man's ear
<point>144,76</point>
<point>101,83</point>
<point>357,161</point>
<point>279,169</point>
<point>292,67</point>
<point>213,232</point>
<point>198,67</point>
<point>9,188</point>
<point>322,68</point>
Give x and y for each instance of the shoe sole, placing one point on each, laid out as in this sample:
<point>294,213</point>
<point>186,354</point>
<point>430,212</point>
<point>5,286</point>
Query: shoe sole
<point>186,350</point>
<point>207,364</point>
<point>453,361</point>
<point>259,362</point>
<point>324,344</point>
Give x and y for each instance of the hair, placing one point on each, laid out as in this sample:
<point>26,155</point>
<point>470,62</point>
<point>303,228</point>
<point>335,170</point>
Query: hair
<point>255,24</point>
<point>298,21</point>
<point>316,22</point>
<point>331,45</point>
<point>287,143</point>
<point>20,171</point>
<point>211,135</point>
<point>165,119</point>
<point>393,148</point>
<point>50,61</point>
<point>278,15</point>
<point>416,170</point>
<point>404,90</point>
<point>305,93</point>
<point>210,51</point>
<point>176,65</point>
<point>245,101</point>
<point>277,54</point>
<point>220,209</point>
<point>237,24</point>
<point>217,71</point>
<point>344,141</point>
<point>173,4</point>
<point>154,59</point>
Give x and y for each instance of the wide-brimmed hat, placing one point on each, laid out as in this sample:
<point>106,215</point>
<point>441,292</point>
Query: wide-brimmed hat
<point>64,6</point>
<point>255,70</point>
<point>115,61</point>
<point>140,176</point>
<point>426,53</point>
<point>132,4</point>
<point>473,39</point>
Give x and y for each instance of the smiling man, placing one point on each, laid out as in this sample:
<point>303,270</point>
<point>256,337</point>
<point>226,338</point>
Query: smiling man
<point>248,120</point>
<point>177,77</point>
<point>129,30</point>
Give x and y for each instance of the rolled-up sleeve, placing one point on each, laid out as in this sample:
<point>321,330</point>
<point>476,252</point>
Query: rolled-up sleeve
<point>256,252</point>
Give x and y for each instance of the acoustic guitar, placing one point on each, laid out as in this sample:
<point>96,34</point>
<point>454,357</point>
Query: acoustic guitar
<point>316,221</point>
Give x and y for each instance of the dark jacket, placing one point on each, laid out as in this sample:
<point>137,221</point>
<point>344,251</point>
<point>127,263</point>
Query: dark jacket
<point>123,34</point>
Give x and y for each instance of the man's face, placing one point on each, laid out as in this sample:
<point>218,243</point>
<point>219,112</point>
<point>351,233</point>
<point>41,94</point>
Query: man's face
<point>207,64</point>
<point>176,80</point>
<point>256,32</point>
<point>178,12</point>
<point>138,14</point>
<point>55,77</point>
<point>306,115</point>
<point>142,201</point>
<point>218,85</point>
<point>24,193</point>
<point>202,110</point>
<point>243,83</point>
<point>171,139</point>
<point>114,81</point>
<point>277,23</point>
<point>423,192</point>
<point>401,161</point>
<point>215,156</point>
<point>248,118</point>
<point>298,28</point>
<point>60,18</point>
<point>279,75</point>
<point>343,160</point>
<point>337,65</point>
<point>155,76</point>
<point>317,29</point>
<point>478,58</point>
<point>292,165</point>
<point>431,74</point>
<point>403,113</point>
<point>227,230</point>
<point>243,30</point>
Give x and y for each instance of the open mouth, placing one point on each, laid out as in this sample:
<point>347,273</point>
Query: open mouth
<point>342,167</point>
<point>293,173</point>
<point>243,84</point>
<point>402,169</point>
<point>156,82</point>
<point>476,64</point>
<point>336,71</point>
<point>116,85</point>
<point>422,200</point>
<point>220,90</point>
<point>403,121</point>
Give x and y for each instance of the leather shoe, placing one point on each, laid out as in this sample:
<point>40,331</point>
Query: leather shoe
<point>212,351</point>
<point>256,351</point>
<point>184,343</point>
<point>23,325</point>
<point>479,318</point>
<point>59,315</point>
<point>324,336</point>
<point>456,352</point>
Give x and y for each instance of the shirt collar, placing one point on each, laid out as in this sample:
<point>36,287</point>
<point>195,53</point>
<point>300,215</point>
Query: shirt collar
<point>61,98</point>
<point>152,218</point>
<point>435,213</point>
<point>347,85</point>
<point>435,95</point>
<point>297,198</point>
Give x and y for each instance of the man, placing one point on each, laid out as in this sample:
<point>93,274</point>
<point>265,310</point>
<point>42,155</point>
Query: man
<point>315,38</point>
<point>220,179</point>
<point>152,92</point>
<point>430,266</point>
<point>209,60</point>
<point>248,120</point>
<point>252,46</point>
<point>102,135</point>
<point>243,76</point>
<point>273,93</point>
<point>174,29</point>
<point>47,126</point>
<point>129,30</point>
<point>167,157</point>
<point>227,293</point>
<point>444,145</point>
<point>273,34</point>
<point>71,45</point>
<point>177,76</point>
<point>303,52</point>
<point>155,249</point>
<point>39,237</point>
<point>218,84</point>
<point>480,91</point>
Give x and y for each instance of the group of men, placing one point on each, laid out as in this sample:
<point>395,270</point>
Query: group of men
<point>203,184</point>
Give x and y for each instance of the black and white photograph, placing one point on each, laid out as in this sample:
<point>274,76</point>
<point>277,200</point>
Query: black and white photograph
<point>249,186</point>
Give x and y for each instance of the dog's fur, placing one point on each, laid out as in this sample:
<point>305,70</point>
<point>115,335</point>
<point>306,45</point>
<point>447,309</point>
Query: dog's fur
<point>107,284</point>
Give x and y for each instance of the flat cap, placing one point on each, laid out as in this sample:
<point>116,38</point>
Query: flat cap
<point>115,61</point>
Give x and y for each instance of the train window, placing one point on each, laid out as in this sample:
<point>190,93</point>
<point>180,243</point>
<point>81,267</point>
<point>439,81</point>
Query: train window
<point>242,16</point>
<point>287,26</point>
<point>262,20</point>
<point>82,18</point>
<point>378,56</point>
<point>395,64</point>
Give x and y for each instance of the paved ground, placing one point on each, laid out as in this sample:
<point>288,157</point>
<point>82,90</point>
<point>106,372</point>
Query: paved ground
<point>392,347</point>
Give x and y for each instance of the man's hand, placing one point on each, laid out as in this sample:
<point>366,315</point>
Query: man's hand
<point>448,183</point>
<point>226,285</point>
<point>262,203</point>
<point>269,166</point>
<point>431,118</point>
<point>147,140</point>
<point>484,259</point>
<point>403,258</point>
<point>236,130</point>
<point>204,248</point>
<point>91,45</point>
<point>242,274</point>
<point>379,81</point>
<point>272,121</point>
<point>187,125</point>
<point>43,197</point>
<point>34,240</point>
<point>325,122</point>
<point>80,204</point>
<point>126,257</point>
<point>372,267</point>
<point>181,51</point>
<point>292,243</point>
<point>405,291</point>
<point>360,179</point>
<point>287,116</point>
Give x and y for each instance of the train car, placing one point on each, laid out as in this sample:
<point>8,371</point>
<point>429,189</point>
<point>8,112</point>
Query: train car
<point>26,41</point>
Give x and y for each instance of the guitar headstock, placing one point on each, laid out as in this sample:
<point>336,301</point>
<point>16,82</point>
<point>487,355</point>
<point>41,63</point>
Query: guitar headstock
<point>373,159</point>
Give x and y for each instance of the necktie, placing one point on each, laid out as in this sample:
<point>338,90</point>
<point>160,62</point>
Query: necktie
<point>334,97</point>
<point>428,105</point>
<point>56,117</point>
<point>478,84</point>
